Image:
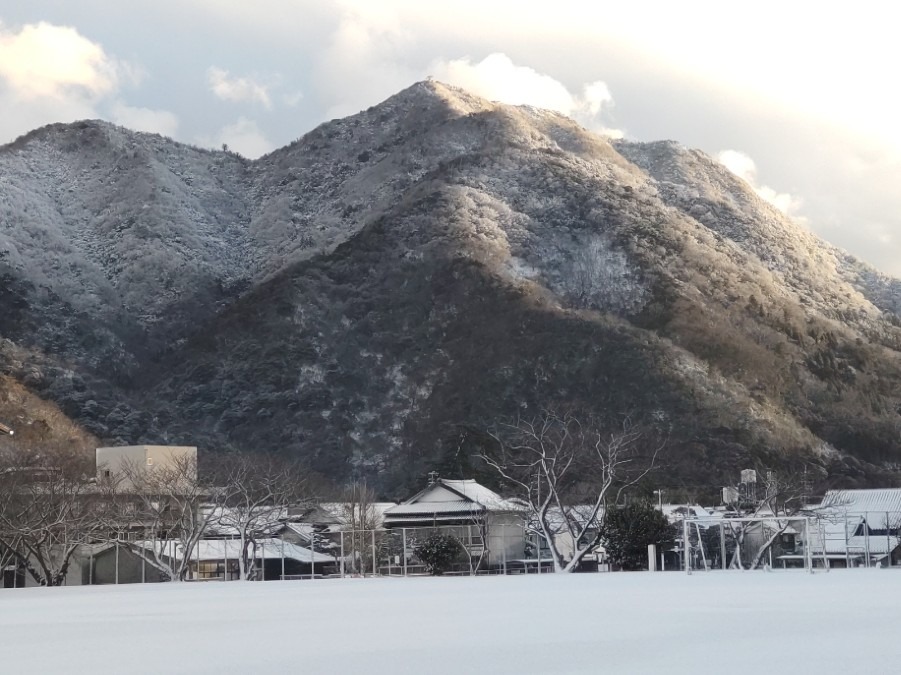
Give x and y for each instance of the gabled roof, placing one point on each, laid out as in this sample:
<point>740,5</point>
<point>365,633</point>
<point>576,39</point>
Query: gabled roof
<point>467,499</point>
<point>470,489</point>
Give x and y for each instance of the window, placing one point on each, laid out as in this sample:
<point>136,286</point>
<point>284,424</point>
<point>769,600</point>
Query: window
<point>150,461</point>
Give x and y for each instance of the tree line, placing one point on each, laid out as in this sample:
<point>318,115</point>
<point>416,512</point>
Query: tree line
<point>52,504</point>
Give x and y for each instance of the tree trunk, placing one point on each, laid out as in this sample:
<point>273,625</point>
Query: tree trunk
<point>766,547</point>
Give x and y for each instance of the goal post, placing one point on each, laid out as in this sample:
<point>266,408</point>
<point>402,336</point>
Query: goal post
<point>763,542</point>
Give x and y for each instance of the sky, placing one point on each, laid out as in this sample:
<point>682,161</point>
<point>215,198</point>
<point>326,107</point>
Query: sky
<point>797,98</point>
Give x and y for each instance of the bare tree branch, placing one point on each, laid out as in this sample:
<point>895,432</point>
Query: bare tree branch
<point>567,468</point>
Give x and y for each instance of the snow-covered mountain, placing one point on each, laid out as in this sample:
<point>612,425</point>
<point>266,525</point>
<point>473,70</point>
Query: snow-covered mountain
<point>374,296</point>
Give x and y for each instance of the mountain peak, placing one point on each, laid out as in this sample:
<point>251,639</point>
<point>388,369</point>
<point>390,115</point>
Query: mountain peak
<point>378,294</point>
<point>431,94</point>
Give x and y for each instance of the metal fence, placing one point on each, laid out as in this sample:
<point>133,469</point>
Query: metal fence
<point>810,540</point>
<point>502,549</point>
<point>807,541</point>
<point>393,552</point>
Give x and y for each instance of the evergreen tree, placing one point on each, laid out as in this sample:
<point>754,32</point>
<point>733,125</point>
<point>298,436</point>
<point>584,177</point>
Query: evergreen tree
<point>629,530</point>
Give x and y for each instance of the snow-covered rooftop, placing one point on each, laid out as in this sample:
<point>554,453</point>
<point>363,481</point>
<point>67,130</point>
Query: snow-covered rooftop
<point>676,512</point>
<point>451,498</point>
<point>861,501</point>
<point>220,549</point>
<point>481,495</point>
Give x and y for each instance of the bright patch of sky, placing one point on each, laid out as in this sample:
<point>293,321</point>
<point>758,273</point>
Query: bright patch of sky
<point>796,100</point>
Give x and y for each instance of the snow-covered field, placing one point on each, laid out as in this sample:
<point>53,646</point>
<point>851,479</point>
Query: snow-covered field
<point>840,622</point>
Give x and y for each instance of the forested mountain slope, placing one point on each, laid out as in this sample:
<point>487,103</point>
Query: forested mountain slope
<point>376,295</point>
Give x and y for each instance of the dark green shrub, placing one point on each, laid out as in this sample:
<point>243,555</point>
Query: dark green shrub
<point>438,552</point>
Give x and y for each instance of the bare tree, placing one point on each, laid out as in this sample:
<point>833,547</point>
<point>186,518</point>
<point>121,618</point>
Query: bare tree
<point>360,521</point>
<point>165,505</point>
<point>48,509</point>
<point>567,470</point>
<point>253,500</point>
<point>475,553</point>
<point>781,500</point>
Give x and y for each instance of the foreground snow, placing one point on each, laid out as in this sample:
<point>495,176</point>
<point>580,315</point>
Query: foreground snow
<point>840,622</point>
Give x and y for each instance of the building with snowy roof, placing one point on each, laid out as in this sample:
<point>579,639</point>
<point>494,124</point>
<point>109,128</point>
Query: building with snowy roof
<point>490,527</point>
<point>852,528</point>
<point>210,559</point>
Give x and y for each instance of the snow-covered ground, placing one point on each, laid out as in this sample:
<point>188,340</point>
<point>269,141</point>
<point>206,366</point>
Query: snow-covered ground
<point>840,622</point>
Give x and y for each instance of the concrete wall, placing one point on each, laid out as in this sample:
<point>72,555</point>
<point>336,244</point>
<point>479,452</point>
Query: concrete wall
<point>117,460</point>
<point>73,575</point>
<point>129,564</point>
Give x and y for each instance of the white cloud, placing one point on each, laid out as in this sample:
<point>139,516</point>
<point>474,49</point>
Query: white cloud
<point>230,88</point>
<point>497,78</point>
<point>43,60</point>
<point>51,73</point>
<point>243,137</point>
<point>144,119</point>
<point>366,58</point>
<point>744,167</point>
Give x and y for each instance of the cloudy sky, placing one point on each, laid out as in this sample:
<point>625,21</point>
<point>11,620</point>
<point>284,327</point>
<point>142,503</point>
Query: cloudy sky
<point>798,99</point>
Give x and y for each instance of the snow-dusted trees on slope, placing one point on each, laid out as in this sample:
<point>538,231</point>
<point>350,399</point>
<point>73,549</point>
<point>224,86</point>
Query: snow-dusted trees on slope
<point>598,276</point>
<point>567,468</point>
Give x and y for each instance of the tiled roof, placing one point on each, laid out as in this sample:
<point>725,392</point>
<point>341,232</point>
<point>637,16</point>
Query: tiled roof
<point>455,507</point>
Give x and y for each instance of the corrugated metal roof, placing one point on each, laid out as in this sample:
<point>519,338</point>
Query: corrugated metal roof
<point>219,549</point>
<point>459,506</point>
<point>860,501</point>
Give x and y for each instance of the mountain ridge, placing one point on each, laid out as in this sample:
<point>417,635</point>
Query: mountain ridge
<point>375,295</point>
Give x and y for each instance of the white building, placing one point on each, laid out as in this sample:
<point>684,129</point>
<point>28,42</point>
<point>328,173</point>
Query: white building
<point>491,526</point>
<point>117,463</point>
